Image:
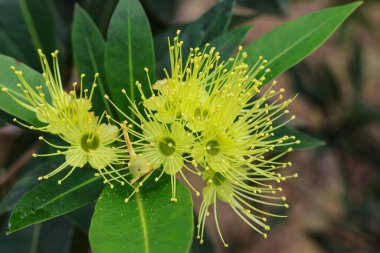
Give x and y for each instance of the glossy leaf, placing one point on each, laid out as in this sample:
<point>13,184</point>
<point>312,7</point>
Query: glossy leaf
<point>149,222</point>
<point>9,80</point>
<point>89,50</point>
<point>48,199</point>
<point>129,49</point>
<point>226,43</point>
<point>288,44</point>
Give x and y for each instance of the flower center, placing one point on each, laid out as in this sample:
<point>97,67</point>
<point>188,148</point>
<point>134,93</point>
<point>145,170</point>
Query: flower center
<point>167,146</point>
<point>218,179</point>
<point>212,147</point>
<point>89,142</point>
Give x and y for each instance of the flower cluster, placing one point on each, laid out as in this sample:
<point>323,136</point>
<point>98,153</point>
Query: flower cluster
<point>208,117</point>
<point>67,114</point>
<point>212,118</point>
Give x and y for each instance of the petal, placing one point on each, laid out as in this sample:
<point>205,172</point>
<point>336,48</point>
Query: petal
<point>108,133</point>
<point>183,138</point>
<point>102,157</point>
<point>173,164</point>
<point>75,157</point>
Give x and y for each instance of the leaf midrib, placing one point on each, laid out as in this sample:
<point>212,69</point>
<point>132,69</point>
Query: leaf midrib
<point>55,198</point>
<point>143,222</point>
<point>302,38</point>
<point>130,65</point>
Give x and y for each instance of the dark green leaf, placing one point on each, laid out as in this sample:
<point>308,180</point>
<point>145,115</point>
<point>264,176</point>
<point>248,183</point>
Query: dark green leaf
<point>39,19</point>
<point>165,11</point>
<point>9,80</point>
<point>100,11</point>
<point>129,49</point>
<point>149,222</point>
<point>288,44</point>
<point>206,247</point>
<point>226,43</point>
<point>89,50</point>
<point>265,6</point>
<point>307,141</point>
<point>53,236</point>
<point>14,37</point>
<point>48,199</point>
<point>81,217</point>
<point>26,182</point>
<point>356,67</point>
<point>239,19</point>
<point>210,25</point>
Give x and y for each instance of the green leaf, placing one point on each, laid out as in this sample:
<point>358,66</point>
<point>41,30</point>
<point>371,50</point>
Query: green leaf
<point>9,80</point>
<point>149,222</point>
<point>48,199</point>
<point>39,19</point>
<point>89,50</point>
<point>307,141</point>
<point>226,43</point>
<point>100,11</point>
<point>265,6</point>
<point>129,49</point>
<point>53,236</point>
<point>288,44</point>
<point>164,11</point>
<point>26,182</point>
<point>14,37</point>
<point>81,217</point>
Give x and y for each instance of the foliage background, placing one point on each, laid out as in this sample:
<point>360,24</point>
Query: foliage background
<point>335,201</point>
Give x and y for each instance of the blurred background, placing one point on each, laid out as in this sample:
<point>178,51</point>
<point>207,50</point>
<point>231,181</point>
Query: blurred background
<point>335,203</point>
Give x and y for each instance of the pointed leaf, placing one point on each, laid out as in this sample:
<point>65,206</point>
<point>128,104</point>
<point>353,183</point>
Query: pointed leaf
<point>100,11</point>
<point>129,49</point>
<point>149,222</point>
<point>8,79</point>
<point>48,199</point>
<point>288,44</point>
<point>89,50</point>
<point>226,43</point>
<point>307,141</point>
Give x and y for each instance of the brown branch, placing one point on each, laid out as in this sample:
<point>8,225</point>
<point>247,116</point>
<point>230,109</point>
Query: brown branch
<point>18,165</point>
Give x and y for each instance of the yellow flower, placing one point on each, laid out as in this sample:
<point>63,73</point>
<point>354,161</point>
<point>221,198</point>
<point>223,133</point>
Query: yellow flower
<point>215,119</point>
<point>53,106</point>
<point>245,193</point>
<point>156,145</point>
<point>93,142</point>
<point>233,121</point>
